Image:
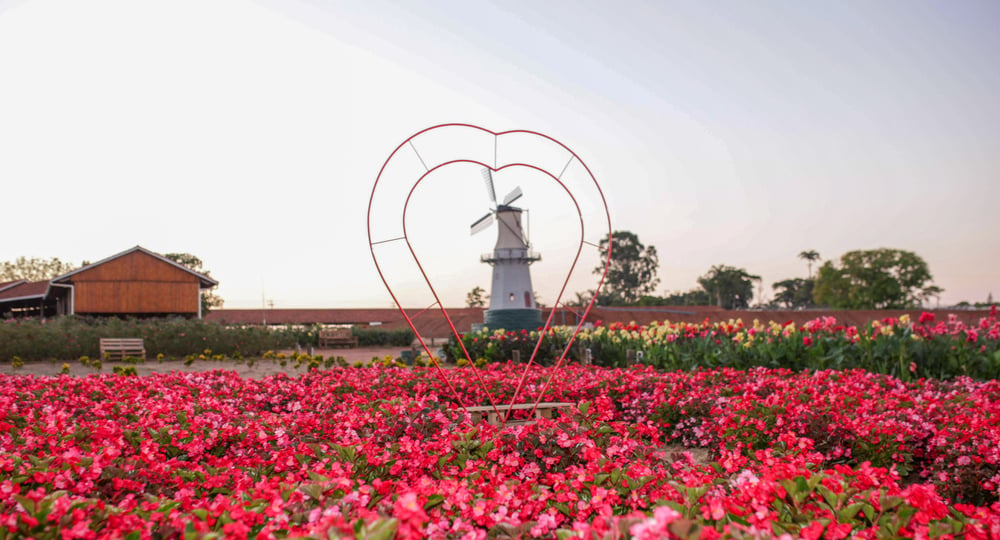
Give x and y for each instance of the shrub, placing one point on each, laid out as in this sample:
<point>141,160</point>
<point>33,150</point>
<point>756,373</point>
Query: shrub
<point>69,338</point>
<point>375,336</point>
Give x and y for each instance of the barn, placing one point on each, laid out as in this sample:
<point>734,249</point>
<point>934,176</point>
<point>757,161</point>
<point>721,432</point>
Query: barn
<point>135,282</point>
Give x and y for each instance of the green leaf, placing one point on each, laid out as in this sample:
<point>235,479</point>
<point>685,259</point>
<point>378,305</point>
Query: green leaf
<point>316,477</point>
<point>314,491</point>
<point>791,487</point>
<point>868,510</point>
<point>802,484</point>
<point>939,528</point>
<point>905,513</point>
<point>383,529</point>
<point>828,495</point>
<point>890,501</point>
<point>562,507</point>
<point>814,481</point>
<point>584,407</point>
<point>27,503</point>
<point>847,514</point>
<point>616,477</point>
<point>433,500</point>
<point>676,506</point>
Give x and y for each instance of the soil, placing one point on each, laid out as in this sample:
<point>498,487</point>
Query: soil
<point>261,368</point>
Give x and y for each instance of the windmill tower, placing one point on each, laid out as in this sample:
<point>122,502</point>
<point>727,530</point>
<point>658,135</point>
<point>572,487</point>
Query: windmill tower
<point>512,300</point>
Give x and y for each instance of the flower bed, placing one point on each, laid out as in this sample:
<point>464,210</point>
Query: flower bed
<point>372,452</point>
<point>899,347</point>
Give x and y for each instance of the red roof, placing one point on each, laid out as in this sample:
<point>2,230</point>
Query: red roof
<point>26,289</point>
<point>8,284</point>
<point>430,323</point>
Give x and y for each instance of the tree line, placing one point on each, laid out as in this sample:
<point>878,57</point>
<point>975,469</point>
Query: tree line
<point>862,279</point>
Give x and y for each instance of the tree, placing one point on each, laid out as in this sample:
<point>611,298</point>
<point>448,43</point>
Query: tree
<point>810,257</point>
<point>729,287</point>
<point>694,297</point>
<point>632,271</point>
<point>581,300</point>
<point>209,301</point>
<point>476,297</point>
<point>33,269</point>
<point>875,279</point>
<point>794,293</point>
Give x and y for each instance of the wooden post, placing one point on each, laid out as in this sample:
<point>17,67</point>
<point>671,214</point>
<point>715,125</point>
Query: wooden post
<point>630,356</point>
<point>588,357</point>
<point>516,356</point>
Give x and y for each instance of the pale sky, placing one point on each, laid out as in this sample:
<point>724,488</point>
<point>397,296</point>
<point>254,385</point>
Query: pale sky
<point>250,133</point>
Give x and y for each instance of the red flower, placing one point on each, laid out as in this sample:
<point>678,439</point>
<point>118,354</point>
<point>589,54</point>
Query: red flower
<point>813,531</point>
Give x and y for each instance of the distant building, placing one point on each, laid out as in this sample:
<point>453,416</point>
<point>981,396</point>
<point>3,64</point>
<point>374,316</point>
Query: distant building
<point>135,282</point>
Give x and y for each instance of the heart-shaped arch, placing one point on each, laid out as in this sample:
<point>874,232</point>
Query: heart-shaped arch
<point>495,167</point>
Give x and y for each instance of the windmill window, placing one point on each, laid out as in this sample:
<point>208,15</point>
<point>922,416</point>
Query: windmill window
<point>527,299</point>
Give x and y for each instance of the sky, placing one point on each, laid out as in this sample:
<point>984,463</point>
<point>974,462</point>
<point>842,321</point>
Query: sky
<point>251,133</point>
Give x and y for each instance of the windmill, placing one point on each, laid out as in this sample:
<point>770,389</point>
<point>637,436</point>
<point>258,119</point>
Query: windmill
<point>512,300</point>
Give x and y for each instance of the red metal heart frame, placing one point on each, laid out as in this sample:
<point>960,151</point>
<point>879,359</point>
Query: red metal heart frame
<point>437,300</point>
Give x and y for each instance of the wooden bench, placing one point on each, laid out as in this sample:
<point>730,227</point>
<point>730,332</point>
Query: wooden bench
<point>119,348</point>
<point>544,410</point>
<point>336,337</point>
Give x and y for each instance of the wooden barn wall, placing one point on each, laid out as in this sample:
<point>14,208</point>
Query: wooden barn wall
<point>137,297</point>
<point>136,283</point>
<point>136,266</point>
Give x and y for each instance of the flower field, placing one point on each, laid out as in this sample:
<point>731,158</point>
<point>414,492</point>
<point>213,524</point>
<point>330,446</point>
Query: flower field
<point>378,452</point>
<point>905,348</point>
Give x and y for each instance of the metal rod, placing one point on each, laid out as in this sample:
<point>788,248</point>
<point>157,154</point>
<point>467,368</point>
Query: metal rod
<point>418,156</point>
<point>421,312</point>
<point>565,167</point>
<point>390,240</point>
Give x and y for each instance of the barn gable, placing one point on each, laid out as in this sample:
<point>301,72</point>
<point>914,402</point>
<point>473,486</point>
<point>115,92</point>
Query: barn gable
<point>134,282</point>
<point>136,264</point>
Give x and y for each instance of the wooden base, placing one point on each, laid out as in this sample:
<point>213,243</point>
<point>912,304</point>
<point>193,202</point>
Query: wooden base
<point>494,416</point>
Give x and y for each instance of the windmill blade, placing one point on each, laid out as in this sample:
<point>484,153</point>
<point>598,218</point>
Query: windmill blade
<point>482,223</point>
<point>488,176</point>
<point>513,196</point>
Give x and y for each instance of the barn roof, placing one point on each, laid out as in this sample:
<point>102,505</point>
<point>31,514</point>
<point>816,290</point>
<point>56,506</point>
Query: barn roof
<point>23,290</point>
<point>206,282</point>
<point>4,285</point>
